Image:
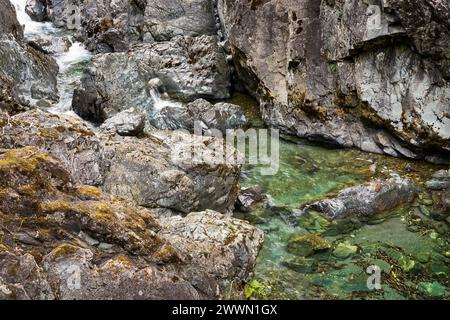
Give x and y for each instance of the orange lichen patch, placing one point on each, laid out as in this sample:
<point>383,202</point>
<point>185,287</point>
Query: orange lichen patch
<point>49,133</point>
<point>89,192</point>
<point>102,210</point>
<point>25,160</point>
<point>63,250</point>
<point>56,206</point>
<point>167,254</point>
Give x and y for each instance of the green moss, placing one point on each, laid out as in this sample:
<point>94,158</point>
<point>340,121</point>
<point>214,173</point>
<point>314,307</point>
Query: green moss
<point>306,245</point>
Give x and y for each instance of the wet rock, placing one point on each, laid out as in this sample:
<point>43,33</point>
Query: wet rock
<point>36,9</point>
<point>302,265</point>
<point>51,44</point>
<point>307,245</point>
<point>28,74</point>
<point>440,180</point>
<point>125,123</point>
<point>189,68</point>
<point>248,197</point>
<point>344,250</point>
<point>8,17</point>
<point>367,200</point>
<point>432,289</point>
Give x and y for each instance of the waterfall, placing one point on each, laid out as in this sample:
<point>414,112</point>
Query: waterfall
<point>31,28</point>
<point>160,102</point>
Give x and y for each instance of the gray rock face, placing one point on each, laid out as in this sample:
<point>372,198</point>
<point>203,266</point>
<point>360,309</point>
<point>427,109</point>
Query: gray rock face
<point>221,116</point>
<point>78,243</point>
<point>188,67</point>
<point>125,123</point>
<point>440,180</point>
<point>9,24</point>
<point>347,72</point>
<point>110,26</point>
<point>366,200</point>
<point>160,172</point>
<point>37,9</point>
<point>26,75</point>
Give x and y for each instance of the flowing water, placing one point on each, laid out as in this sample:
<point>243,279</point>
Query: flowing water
<point>412,253</point>
<point>71,63</point>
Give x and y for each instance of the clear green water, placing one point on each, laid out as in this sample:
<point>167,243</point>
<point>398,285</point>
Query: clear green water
<point>413,255</point>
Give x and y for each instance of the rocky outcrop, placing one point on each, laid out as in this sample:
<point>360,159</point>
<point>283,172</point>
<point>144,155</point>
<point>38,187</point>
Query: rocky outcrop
<point>26,75</point>
<point>62,240</point>
<point>37,9</point>
<point>357,74</point>
<point>188,68</point>
<point>366,200</point>
<point>159,170</point>
<point>207,117</point>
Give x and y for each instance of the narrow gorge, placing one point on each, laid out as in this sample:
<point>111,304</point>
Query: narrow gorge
<point>224,149</point>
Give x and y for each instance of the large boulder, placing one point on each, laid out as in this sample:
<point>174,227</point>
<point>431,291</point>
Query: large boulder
<point>37,9</point>
<point>162,171</point>
<point>8,17</point>
<point>188,67</point>
<point>78,243</point>
<point>366,200</point>
<point>347,72</point>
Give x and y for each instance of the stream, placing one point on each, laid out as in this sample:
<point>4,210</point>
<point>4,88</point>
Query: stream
<point>412,253</point>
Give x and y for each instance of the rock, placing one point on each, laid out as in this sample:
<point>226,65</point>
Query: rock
<point>221,116</point>
<point>156,171</point>
<point>432,289</point>
<point>36,9</point>
<point>188,67</point>
<point>440,180</point>
<point>344,250</point>
<point>72,142</point>
<point>207,117</point>
<point>126,123</point>
<point>159,172</point>
<point>196,257</point>
<point>8,17</point>
<point>307,245</point>
<point>302,265</point>
<point>51,44</point>
<point>366,200</point>
<point>231,245</point>
<point>114,27</point>
<point>26,74</point>
<point>371,75</point>
<point>248,197</point>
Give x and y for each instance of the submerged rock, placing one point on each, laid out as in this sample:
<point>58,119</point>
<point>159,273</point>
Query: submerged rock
<point>344,250</point>
<point>307,245</point>
<point>440,180</point>
<point>366,200</point>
